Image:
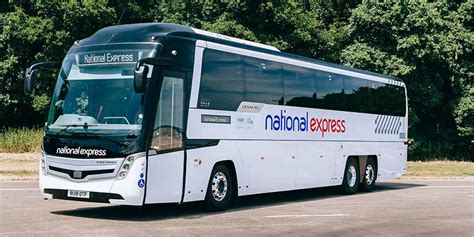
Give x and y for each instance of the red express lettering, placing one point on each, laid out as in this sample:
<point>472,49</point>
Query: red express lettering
<point>327,125</point>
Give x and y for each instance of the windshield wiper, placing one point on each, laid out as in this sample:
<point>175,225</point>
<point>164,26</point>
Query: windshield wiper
<point>131,135</point>
<point>55,136</point>
<point>85,126</point>
<point>96,136</point>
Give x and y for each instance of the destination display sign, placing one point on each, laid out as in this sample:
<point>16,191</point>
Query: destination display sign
<point>108,57</point>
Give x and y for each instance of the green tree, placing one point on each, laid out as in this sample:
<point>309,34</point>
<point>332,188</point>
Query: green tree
<point>428,46</point>
<point>40,32</point>
<point>287,25</point>
<point>24,39</point>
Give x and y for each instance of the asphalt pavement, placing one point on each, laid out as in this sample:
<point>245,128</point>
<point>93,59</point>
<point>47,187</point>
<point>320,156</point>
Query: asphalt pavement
<point>399,208</point>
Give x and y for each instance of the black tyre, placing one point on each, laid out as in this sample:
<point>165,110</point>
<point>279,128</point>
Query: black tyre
<point>351,177</point>
<point>221,191</point>
<point>370,175</point>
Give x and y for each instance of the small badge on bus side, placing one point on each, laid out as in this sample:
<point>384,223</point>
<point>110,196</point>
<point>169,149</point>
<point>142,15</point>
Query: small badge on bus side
<point>141,183</point>
<point>207,118</point>
<point>250,107</point>
<point>245,122</point>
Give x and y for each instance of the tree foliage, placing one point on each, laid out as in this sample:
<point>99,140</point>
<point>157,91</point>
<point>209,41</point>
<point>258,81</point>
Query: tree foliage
<point>427,44</point>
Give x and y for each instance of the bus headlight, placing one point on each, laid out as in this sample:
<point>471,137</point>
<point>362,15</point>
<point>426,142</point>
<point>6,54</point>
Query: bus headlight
<point>126,165</point>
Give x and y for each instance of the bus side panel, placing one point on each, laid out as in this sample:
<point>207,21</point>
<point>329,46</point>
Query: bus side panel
<point>392,162</point>
<point>200,162</point>
<point>264,166</point>
<point>272,165</point>
<point>286,165</point>
<point>315,163</point>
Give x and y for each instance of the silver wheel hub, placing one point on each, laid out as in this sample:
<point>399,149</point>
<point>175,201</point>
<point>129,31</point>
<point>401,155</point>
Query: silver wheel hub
<point>369,174</point>
<point>219,186</point>
<point>351,176</point>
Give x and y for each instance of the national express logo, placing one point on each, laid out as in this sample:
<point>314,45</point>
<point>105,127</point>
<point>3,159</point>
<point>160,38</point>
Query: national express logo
<point>80,151</point>
<point>284,122</point>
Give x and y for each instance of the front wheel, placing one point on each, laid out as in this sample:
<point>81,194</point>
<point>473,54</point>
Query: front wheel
<point>220,190</point>
<point>351,177</point>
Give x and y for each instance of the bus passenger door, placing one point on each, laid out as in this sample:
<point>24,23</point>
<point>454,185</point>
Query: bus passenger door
<point>165,168</point>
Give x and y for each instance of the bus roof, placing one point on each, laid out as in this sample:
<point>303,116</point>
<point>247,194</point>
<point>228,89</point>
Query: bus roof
<point>143,32</point>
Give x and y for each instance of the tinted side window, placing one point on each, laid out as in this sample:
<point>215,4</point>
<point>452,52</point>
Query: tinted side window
<point>263,81</point>
<point>397,101</point>
<point>355,94</point>
<point>222,81</point>
<point>299,86</point>
<point>374,97</point>
<point>386,99</point>
<point>228,79</point>
<point>330,94</point>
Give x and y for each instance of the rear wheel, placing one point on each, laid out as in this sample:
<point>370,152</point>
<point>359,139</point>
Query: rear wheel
<point>220,190</point>
<point>370,175</point>
<point>351,177</point>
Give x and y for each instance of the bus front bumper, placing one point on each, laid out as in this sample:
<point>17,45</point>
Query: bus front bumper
<point>126,191</point>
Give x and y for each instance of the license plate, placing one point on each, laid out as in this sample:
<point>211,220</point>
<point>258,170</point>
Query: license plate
<point>78,194</point>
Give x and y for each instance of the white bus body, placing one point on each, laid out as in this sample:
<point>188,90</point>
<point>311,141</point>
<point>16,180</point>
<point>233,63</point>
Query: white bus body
<point>266,147</point>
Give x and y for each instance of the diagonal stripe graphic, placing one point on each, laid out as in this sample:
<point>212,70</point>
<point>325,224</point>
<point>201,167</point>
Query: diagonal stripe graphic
<point>389,131</point>
<point>385,125</point>
<point>399,126</point>
<point>381,124</point>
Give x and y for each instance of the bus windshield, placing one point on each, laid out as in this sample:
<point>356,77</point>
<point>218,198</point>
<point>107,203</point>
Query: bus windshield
<point>94,92</point>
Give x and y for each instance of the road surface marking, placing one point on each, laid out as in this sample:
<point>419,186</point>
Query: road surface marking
<point>18,181</point>
<point>459,186</point>
<point>307,215</point>
<point>18,189</point>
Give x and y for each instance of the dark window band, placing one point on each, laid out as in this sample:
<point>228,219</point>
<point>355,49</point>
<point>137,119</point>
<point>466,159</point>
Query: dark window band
<point>228,79</point>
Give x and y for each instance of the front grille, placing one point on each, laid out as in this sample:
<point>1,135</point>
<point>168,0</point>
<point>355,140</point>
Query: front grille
<point>74,174</point>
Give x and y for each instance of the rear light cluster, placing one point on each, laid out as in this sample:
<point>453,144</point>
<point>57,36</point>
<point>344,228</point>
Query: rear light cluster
<point>126,166</point>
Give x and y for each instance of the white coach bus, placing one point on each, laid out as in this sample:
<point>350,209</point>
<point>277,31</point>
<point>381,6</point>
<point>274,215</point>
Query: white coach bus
<point>163,113</point>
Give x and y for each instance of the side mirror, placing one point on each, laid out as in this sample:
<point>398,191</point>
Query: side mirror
<point>140,79</point>
<point>30,79</point>
<point>32,74</point>
<point>141,71</point>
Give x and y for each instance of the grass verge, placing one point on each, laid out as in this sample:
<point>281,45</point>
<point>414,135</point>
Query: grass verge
<point>440,168</point>
<point>20,140</point>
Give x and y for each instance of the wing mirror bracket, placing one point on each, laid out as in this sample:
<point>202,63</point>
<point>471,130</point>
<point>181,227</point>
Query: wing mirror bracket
<point>32,74</point>
<point>141,71</point>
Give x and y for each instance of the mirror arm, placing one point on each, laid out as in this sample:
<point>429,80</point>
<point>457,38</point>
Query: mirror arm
<point>153,61</point>
<point>44,65</point>
<point>30,75</point>
<point>141,71</point>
